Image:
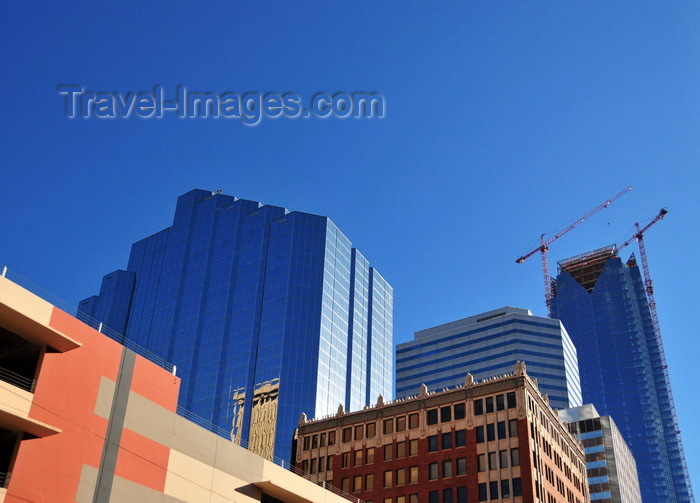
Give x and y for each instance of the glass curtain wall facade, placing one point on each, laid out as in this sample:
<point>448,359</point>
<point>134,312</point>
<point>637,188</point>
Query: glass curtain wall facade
<point>489,344</point>
<point>603,304</point>
<point>265,312</point>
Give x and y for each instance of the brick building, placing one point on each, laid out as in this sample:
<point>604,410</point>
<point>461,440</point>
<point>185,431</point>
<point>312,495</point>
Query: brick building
<point>493,440</point>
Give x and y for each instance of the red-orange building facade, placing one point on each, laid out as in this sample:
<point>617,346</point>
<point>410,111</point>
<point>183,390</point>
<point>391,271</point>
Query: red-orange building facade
<point>497,440</point>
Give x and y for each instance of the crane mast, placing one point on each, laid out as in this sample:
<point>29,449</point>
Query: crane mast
<point>544,246</point>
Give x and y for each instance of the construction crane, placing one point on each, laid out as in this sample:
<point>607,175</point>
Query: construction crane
<point>544,246</point>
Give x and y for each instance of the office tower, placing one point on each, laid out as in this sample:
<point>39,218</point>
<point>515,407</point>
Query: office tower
<point>84,419</point>
<point>612,471</point>
<point>266,313</point>
<point>488,344</point>
<point>495,440</point>
<point>603,305</point>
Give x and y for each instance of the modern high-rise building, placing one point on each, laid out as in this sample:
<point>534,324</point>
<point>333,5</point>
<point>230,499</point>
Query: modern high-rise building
<point>610,465</point>
<point>489,344</point>
<point>603,304</point>
<point>266,313</point>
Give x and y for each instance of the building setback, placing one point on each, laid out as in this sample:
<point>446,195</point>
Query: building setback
<point>494,440</point>
<point>86,420</point>
<point>265,312</point>
<point>612,471</point>
<point>603,304</point>
<point>487,344</point>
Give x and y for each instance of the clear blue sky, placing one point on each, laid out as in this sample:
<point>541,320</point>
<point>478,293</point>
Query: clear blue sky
<point>503,120</point>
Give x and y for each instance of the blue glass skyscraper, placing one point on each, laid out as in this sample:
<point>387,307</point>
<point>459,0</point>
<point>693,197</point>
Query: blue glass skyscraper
<point>603,305</point>
<point>266,313</point>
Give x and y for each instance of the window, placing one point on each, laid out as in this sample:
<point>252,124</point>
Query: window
<point>505,488</point>
<point>369,482</point>
<point>500,402</point>
<point>370,455</point>
<point>321,464</point>
<point>447,440</point>
<point>346,460</point>
<point>322,440</point>
<point>413,498</point>
<point>388,426</point>
<point>478,407</point>
<point>413,475</point>
<point>447,496</point>
<point>461,466</point>
<point>503,455</point>
<point>492,461</point>
<point>445,414</point>
<point>305,466</point>
<point>307,443</point>
<point>489,404</point>
<point>313,466</point>
<point>413,447</point>
<point>513,427</point>
<point>331,438</point>
<point>461,495</point>
<point>432,471</point>
<point>347,434</point>
<point>400,450</point>
<point>359,429</point>
<point>502,429</point>
<point>432,416</point>
<point>329,462</point>
<point>401,423</point>
<point>460,438</point>
<point>388,500</point>
<point>479,434</point>
<point>517,488</point>
<point>510,398</point>
<point>358,457</point>
<point>434,497</point>
<point>413,422</point>
<point>432,443</point>
<point>490,432</point>
<point>345,484</point>
<point>357,483</point>
<point>514,457</point>
<point>447,468</point>
<point>314,442</point>
<point>388,475</point>
<point>388,451</point>
<point>482,492</point>
<point>401,499</point>
<point>400,476</point>
<point>481,462</point>
<point>371,430</point>
<point>493,489</point>
<point>459,411</point>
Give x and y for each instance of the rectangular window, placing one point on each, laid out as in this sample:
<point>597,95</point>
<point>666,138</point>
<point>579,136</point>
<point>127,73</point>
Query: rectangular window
<point>505,488</point>
<point>493,490</point>
<point>322,440</point>
<point>321,464</point>
<point>357,483</point>
<point>481,462</point>
<point>515,457</point>
<point>346,460</point>
<point>490,432</point>
<point>492,461</point>
<point>433,471</point>
<point>459,411</point>
<point>462,495</point>
<point>305,466</point>
<point>482,493</point>
<point>510,398</point>
<point>446,414</point>
<point>413,447</point>
<point>388,451</point>
<point>313,466</point>
<point>359,429</point>
<point>517,488</point>
<point>447,496</point>
<point>307,444</point>
<point>413,422</point>
<point>400,450</point>
<point>314,442</point>
<point>503,455</point>
<point>432,416</point>
<point>489,404</point>
<point>369,482</point>
<point>358,457</point>
<point>388,500</point>
<point>331,438</point>
<point>500,402</point>
<point>401,499</point>
<point>432,443</point>
<point>434,497</point>
<point>388,426</point>
<point>345,484</point>
<point>371,430</point>
<point>460,438</point>
<point>401,423</point>
<point>347,434</point>
<point>400,476</point>
<point>413,475</point>
<point>478,407</point>
<point>513,428</point>
<point>388,475</point>
<point>413,498</point>
<point>479,434</point>
<point>461,466</point>
<point>329,462</point>
<point>502,429</point>
<point>447,440</point>
<point>447,468</point>
<point>370,455</point>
